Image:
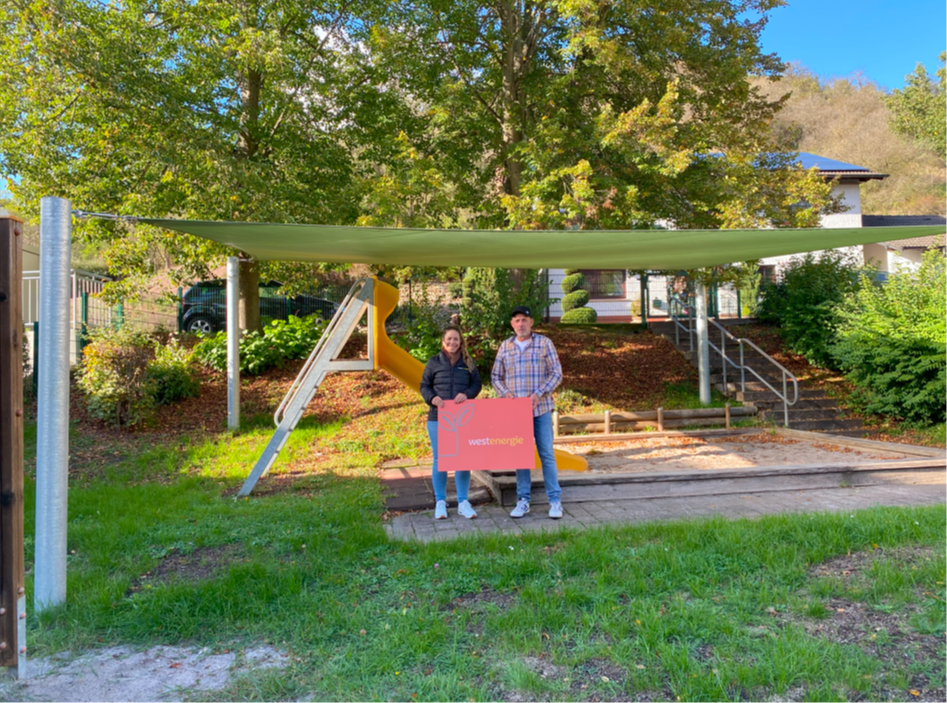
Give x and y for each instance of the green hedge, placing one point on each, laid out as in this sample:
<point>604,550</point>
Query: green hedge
<point>579,316</point>
<point>573,283</point>
<point>575,300</point>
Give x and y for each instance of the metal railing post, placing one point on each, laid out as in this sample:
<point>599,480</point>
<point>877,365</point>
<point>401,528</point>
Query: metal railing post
<point>785,401</point>
<point>35,357</point>
<point>83,339</point>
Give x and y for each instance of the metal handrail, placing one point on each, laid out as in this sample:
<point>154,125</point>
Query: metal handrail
<point>311,361</point>
<point>785,372</point>
<point>742,367</point>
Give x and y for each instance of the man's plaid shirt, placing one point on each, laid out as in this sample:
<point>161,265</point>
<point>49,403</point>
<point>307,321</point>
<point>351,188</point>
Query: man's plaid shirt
<point>536,369</point>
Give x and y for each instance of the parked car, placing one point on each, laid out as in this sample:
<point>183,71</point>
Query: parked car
<point>204,306</point>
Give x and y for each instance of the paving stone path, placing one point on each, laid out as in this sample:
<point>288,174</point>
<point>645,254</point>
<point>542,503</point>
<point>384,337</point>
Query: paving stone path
<point>492,518</point>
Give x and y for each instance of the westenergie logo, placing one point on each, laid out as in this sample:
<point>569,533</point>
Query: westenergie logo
<point>496,441</point>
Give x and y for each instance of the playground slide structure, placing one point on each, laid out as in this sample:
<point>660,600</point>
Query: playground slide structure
<point>379,299</point>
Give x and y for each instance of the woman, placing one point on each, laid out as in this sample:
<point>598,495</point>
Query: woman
<point>450,375</point>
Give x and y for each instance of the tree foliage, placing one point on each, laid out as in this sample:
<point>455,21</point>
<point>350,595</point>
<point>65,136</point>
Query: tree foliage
<point>245,110</point>
<point>919,110</point>
<point>543,116</point>
<point>501,113</point>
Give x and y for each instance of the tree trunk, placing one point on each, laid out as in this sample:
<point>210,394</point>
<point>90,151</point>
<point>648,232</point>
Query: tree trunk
<point>250,296</point>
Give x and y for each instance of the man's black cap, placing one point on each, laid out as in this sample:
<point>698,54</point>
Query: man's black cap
<point>521,310</point>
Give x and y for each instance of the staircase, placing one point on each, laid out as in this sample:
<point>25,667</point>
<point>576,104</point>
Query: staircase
<point>813,411</point>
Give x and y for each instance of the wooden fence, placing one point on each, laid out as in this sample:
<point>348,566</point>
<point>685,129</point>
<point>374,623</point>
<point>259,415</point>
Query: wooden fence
<point>660,420</point>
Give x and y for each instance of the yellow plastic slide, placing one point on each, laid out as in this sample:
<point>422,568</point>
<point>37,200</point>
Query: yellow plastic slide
<point>400,364</point>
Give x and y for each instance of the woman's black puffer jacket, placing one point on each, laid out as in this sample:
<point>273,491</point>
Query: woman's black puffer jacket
<point>444,380</point>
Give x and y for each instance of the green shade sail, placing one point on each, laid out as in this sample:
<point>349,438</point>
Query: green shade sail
<point>590,249</point>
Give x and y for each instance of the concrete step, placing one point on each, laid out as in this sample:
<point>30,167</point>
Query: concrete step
<point>801,414</point>
<point>826,425</point>
<point>758,396</point>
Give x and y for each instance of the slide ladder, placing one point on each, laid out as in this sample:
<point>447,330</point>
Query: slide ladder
<point>321,361</point>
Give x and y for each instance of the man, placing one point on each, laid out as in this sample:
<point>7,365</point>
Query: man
<point>527,365</point>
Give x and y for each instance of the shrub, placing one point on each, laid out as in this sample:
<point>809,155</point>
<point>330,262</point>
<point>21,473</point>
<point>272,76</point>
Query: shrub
<point>171,374</point>
<point>572,283</point>
<point>579,316</point>
<point>114,376</point>
<point>257,354</point>
<point>804,302</point>
<point>575,300</point>
<point>295,337</point>
<point>891,343</point>
<point>570,272</point>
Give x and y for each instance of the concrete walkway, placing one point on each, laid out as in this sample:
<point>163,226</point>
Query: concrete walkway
<point>492,518</point>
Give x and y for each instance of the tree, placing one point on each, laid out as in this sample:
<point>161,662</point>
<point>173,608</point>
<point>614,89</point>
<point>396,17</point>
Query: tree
<point>592,115</point>
<point>245,110</point>
<point>919,110</point>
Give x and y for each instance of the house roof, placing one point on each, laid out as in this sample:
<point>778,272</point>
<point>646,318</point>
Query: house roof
<point>831,168</point>
<point>934,240</point>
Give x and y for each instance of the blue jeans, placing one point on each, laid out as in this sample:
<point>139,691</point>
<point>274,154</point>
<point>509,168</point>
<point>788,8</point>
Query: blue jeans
<point>542,431</point>
<point>439,478</point>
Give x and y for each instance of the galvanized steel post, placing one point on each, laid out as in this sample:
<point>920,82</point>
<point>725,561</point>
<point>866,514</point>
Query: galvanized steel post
<point>52,427</point>
<point>233,343</point>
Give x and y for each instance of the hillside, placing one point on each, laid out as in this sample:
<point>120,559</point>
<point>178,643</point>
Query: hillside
<point>846,119</point>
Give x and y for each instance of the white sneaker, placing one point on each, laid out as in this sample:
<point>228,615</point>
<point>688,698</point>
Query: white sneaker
<point>555,510</point>
<point>466,509</point>
<point>522,507</point>
<point>440,510</point>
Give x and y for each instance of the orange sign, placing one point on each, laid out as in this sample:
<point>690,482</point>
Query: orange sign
<point>492,433</point>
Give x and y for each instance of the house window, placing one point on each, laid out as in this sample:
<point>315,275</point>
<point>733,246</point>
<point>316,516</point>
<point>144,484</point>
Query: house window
<point>767,274</point>
<point>603,283</point>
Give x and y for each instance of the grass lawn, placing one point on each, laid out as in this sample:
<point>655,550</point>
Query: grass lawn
<point>803,607</point>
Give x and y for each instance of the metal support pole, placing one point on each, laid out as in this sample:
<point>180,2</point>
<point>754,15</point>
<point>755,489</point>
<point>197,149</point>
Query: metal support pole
<point>703,345</point>
<point>643,280</point>
<point>233,343</point>
<point>52,426</point>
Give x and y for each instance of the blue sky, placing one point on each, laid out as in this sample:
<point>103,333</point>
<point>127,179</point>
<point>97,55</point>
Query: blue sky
<point>882,39</point>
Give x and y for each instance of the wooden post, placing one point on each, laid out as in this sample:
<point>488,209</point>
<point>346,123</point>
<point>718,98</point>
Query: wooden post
<point>555,423</point>
<point>12,592</point>
<point>726,415</point>
<point>660,419</point>
<point>608,422</point>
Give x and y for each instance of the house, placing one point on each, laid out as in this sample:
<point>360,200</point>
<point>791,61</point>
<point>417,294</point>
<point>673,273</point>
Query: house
<point>616,294</point>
